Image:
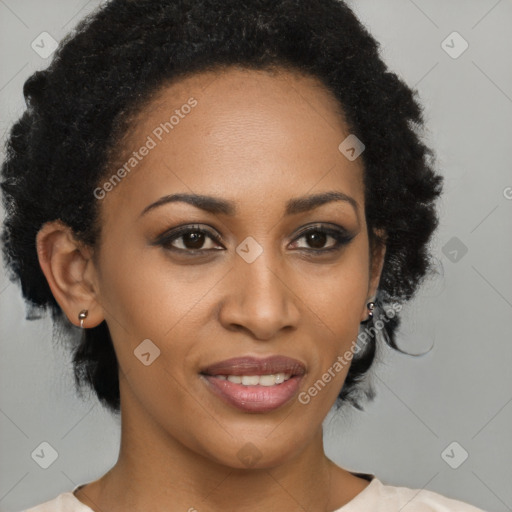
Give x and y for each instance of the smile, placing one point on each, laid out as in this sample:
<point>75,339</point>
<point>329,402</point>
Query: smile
<point>255,385</point>
<point>256,380</point>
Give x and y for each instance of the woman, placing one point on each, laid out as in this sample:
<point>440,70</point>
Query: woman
<point>221,194</point>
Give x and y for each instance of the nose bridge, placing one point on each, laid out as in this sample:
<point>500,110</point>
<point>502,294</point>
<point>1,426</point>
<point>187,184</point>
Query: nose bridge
<point>259,300</point>
<point>261,281</point>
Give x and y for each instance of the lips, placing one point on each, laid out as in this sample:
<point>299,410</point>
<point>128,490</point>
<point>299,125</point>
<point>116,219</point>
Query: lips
<point>254,366</point>
<point>255,385</point>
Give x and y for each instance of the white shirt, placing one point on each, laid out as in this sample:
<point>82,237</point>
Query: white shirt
<point>375,497</point>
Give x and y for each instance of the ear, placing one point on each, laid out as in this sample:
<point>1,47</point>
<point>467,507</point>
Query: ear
<point>378,253</point>
<point>69,269</point>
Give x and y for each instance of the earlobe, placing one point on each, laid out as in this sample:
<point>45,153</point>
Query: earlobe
<point>64,262</point>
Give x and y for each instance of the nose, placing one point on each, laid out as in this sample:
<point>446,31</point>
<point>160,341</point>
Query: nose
<point>260,299</point>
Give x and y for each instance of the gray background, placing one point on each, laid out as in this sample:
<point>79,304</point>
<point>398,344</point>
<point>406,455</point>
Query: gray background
<point>460,391</point>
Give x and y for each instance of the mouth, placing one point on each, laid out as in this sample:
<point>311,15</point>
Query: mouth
<point>255,385</point>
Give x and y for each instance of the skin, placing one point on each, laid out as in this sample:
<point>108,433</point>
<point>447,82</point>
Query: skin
<point>257,139</point>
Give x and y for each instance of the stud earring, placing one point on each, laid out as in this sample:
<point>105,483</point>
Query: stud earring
<point>371,307</point>
<point>81,316</point>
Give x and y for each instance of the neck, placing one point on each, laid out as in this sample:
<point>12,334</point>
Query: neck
<point>156,472</point>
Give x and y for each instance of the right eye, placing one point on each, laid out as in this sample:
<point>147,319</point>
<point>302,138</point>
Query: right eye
<point>189,239</point>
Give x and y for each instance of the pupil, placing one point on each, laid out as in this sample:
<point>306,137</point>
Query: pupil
<point>316,239</point>
<point>196,239</point>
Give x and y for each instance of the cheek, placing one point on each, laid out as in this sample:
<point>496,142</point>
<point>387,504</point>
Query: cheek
<point>335,327</point>
<point>337,294</point>
<point>146,297</point>
<point>334,301</point>
<point>147,305</point>
<point>143,293</point>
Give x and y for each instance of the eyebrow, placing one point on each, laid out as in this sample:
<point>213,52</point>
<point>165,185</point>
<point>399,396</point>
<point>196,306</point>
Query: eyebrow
<point>216,205</point>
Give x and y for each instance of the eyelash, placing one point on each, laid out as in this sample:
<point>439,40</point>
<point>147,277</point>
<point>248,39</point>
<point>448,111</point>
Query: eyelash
<point>340,236</point>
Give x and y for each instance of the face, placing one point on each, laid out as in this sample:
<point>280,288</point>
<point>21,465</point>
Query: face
<point>225,310</point>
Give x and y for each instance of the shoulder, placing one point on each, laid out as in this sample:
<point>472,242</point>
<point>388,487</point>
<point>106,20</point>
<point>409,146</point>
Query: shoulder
<point>380,497</point>
<point>65,502</point>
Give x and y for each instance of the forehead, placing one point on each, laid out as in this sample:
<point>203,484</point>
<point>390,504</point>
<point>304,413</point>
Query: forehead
<point>235,132</point>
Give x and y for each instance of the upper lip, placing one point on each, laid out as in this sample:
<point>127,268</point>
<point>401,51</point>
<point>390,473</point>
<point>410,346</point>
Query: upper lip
<point>256,366</point>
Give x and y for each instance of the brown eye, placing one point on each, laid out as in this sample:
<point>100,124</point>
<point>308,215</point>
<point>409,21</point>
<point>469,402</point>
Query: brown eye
<point>191,239</point>
<point>317,237</point>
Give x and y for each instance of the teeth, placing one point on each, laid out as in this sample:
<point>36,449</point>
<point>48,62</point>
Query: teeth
<point>255,380</point>
<point>252,380</point>
<point>267,380</point>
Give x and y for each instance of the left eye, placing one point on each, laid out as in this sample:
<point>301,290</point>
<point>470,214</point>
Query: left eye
<point>317,238</point>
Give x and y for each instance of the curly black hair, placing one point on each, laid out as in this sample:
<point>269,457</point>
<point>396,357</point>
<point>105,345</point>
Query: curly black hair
<point>106,70</point>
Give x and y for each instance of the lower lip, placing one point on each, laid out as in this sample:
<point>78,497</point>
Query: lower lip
<point>254,398</point>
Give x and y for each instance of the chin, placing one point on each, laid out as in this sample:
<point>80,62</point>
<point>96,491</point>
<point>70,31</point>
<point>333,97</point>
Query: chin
<point>258,452</point>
